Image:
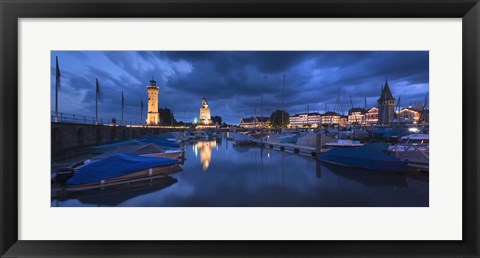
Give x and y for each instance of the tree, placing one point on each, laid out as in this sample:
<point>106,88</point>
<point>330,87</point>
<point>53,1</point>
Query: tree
<point>217,119</point>
<point>276,118</point>
<point>166,116</point>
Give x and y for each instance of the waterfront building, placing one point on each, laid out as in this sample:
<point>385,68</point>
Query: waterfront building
<point>386,106</point>
<point>263,121</point>
<point>254,122</point>
<point>331,118</point>
<point>371,117</point>
<point>356,116</point>
<point>205,118</point>
<point>411,114</point>
<point>343,120</point>
<point>306,119</point>
<point>153,117</point>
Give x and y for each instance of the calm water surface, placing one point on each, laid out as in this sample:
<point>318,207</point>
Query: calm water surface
<point>218,174</point>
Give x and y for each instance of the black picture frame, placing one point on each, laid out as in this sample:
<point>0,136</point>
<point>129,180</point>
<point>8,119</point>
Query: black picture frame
<point>11,11</point>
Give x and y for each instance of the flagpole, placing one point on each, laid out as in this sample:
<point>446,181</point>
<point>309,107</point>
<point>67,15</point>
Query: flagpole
<point>57,78</point>
<point>96,102</point>
<point>283,101</point>
<point>122,106</point>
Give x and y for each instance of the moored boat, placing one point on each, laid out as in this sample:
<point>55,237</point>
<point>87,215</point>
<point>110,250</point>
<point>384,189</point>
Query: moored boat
<point>241,139</point>
<point>200,135</point>
<point>413,148</point>
<point>344,144</point>
<point>412,142</point>
<point>100,149</point>
<point>118,168</point>
<point>163,143</point>
<point>146,149</point>
<point>365,158</point>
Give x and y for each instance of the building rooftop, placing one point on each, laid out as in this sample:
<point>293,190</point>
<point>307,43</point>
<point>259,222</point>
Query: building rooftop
<point>153,82</point>
<point>248,119</point>
<point>253,120</point>
<point>310,114</point>
<point>263,119</point>
<point>386,93</point>
<point>330,113</point>
<point>361,110</point>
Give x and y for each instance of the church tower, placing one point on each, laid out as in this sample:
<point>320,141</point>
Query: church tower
<point>386,106</point>
<point>205,117</point>
<point>153,118</point>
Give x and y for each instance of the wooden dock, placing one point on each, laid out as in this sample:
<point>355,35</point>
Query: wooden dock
<point>313,152</point>
<point>291,148</point>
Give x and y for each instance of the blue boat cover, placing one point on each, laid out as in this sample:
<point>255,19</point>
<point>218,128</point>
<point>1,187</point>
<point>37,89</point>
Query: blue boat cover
<point>115,166</point>
<point>379,132</point>
<point>107,147</point>
<point>166,135</point>
<point>159,141</point>
<point>291,139</point>
<point>365,158</point>
<point>396,132</point>
<point>389,132</point>
<point>379,146</point>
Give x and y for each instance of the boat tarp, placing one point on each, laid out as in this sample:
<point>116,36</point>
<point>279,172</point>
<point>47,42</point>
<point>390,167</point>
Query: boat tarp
<point>168,135</point>
<point>309,139</point>
<point>107,147</point>
<point>141,149</point>
<point>393,132</point>
<point>290,139</point>
<point>160,142</point>
<point>210,133</point>
<point>378,146</point>
<point>273,138</point>
<point>241,138</point>
<point>378,133</point>
<point>363,158</point>
<point>115,166</point>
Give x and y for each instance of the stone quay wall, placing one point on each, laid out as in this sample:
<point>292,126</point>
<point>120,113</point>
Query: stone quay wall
<point>69,140</point>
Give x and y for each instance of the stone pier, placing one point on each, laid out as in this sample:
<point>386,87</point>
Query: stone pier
<point>69,140</point>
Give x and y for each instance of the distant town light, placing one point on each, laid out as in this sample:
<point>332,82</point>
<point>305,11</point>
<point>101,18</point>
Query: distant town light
<point>413,129</point>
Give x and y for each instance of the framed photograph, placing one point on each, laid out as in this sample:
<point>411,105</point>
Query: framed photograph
<point>266,128</point>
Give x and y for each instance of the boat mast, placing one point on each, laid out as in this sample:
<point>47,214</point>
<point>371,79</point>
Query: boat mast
<point>308,112</point>
<point>365,110</point>
<point>283,101</point>
<point>351,109</point>
<point>424,111</point>
<point>261,108</point>
<point>398,109</point>
<point>255,114</point>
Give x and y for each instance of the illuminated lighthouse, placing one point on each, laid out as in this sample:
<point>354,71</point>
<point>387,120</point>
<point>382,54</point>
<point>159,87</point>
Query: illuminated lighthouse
<point>153,118</point>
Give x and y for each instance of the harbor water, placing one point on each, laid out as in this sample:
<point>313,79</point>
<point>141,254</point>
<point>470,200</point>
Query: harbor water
<point>216,173</point>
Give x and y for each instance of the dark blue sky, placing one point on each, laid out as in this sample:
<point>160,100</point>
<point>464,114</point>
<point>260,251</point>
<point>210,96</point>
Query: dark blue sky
<point>234,81</point>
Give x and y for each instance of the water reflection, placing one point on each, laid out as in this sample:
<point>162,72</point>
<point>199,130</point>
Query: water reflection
<point>115,195</point>
<point>205,148</point>
<point>249,176</point>
<point>370,179</point>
